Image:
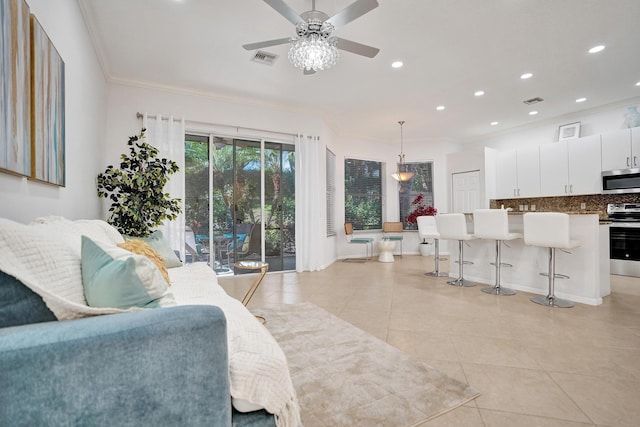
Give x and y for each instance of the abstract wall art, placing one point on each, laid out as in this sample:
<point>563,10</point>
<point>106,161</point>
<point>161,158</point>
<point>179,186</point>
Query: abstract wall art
<point>47,109</point>
<point>15,88</point>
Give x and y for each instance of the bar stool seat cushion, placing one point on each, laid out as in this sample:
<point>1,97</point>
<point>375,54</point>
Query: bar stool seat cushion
<point>453,226</point>
<point>427,228</point>
<point>493,224</point>
<point>548,229</point>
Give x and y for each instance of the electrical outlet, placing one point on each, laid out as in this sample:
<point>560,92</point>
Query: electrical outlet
<point>583,206</point>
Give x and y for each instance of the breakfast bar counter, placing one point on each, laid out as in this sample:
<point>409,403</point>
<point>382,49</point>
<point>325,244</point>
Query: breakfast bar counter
<point>587,265</point>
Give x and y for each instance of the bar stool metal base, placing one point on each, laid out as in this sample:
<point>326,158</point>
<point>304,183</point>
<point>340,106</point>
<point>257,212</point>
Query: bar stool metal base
<point>498,290</point>
<point>461,282</point>
<point>436,260</point>
<point>550,301</point>
<point>436,274</point>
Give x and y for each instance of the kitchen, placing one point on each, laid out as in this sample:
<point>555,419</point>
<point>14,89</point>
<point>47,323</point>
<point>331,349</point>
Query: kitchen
<point>565,176</point>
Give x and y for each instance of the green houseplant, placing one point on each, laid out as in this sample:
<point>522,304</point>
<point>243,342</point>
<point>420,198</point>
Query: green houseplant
<point>135,188</point>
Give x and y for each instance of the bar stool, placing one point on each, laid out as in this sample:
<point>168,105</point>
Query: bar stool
<point>453,226</point>
<point>427,229</point>
<point>549,230</point>
<point>494,224</point>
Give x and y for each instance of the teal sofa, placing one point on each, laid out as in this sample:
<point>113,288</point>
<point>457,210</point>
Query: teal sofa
<point>161,367</point>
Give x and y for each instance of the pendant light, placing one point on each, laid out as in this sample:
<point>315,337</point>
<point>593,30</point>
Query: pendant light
<point>402,174</point>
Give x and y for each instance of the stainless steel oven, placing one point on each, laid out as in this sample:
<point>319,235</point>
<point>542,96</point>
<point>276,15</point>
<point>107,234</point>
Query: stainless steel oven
<point>624,238</point>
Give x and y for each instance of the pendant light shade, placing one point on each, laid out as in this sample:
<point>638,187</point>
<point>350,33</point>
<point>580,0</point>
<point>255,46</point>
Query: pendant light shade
<point>402,172</point>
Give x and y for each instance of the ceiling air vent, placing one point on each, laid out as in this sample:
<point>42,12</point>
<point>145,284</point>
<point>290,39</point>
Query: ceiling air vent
<point>264,57</point>
<point>533,101</point>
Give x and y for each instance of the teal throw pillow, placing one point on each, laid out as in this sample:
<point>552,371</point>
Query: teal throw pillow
<point>116,278</point>
<point>157,241</point>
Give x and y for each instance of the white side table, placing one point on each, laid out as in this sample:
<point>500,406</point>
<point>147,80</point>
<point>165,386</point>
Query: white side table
<point>386,248</point>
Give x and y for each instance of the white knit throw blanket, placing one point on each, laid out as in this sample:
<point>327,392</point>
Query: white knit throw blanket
<point>46,257</point>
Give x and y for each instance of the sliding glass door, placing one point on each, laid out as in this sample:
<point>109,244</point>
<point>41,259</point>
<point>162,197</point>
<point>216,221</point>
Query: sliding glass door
<point>240,202</point>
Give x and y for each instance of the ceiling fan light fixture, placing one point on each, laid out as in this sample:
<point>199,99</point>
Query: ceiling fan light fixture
<point>314,52</point>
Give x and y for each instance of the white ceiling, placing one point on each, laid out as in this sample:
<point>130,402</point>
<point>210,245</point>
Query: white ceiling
<point>450,48</point>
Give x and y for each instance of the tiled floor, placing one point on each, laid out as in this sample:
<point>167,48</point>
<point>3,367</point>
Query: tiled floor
<point>535,366</point>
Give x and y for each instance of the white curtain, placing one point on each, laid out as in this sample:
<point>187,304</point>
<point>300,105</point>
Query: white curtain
<point>167,135</point>
<point>309,203</point>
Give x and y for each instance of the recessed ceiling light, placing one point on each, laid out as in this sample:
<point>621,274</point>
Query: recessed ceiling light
<point>638,84</point>
<point>397,64</point>
<point>533,113</point>
<point>440,107</point>
<point>596,49</point>
<point>526,76</point>
<point>479,93</point>
<point>494,123</point>
<point>581,99</point>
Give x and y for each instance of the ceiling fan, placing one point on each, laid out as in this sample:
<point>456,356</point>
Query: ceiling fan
<point>315,48</point>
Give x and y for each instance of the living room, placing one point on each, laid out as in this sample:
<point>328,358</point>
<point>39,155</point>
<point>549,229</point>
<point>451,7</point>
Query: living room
<point>101,109</point>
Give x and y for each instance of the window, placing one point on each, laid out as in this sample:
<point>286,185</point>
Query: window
<point>363,194</point>
<point>331,193</point>
<point>420,183</point>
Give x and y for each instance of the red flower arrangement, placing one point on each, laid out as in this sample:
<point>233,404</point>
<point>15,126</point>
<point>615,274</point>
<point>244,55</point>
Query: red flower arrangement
<point>420,209</point>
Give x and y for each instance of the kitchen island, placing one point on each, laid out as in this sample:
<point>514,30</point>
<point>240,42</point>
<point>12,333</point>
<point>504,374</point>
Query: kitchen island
<point>587,265</point>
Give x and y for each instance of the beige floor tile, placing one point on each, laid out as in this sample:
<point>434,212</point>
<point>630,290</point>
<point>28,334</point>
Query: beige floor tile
<point>523,391</point>
<point>424,345</point>
<point>462,416</point>
<point>584,361</point>
<point>509,419</point>
<point>607,401</point>
<point>493,351</point>
<point>367,320</point>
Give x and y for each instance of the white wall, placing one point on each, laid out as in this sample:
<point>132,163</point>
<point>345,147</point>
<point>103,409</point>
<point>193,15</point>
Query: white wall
<point>415,151</point>
<point>207,113</point>
<point>85,100</point>
<point>592,122</point>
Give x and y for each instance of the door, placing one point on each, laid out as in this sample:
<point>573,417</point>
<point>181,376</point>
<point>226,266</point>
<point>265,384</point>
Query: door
<point>240,201</point>
<point>466,191</point>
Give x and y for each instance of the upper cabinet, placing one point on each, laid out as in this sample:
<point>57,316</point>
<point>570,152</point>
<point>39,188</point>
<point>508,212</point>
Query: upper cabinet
<point>518,173</point>
<point>584,165</point>
<point>621,149</point>
<point>635,147</point>
<point>570,167</point>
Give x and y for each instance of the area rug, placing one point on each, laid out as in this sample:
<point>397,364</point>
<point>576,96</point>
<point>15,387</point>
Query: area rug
<point>346,377</point>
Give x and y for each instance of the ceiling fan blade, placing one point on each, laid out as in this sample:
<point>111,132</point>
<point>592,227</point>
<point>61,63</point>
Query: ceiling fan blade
<point>285,10</point>
<point>267,43</point>
<point>357,48</point>
<point>352,12</point>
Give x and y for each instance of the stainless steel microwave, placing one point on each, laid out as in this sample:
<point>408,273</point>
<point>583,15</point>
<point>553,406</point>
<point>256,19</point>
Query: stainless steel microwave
<point>621,181</point>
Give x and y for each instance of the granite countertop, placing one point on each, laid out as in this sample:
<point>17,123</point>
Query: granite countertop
<point>581,212</point>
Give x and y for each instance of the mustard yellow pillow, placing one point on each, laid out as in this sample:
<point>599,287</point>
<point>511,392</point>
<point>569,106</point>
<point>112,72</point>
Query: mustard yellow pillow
<point>140,247</point>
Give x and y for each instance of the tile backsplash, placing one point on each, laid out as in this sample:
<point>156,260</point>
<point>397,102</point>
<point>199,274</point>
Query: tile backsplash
<point>593,203</point>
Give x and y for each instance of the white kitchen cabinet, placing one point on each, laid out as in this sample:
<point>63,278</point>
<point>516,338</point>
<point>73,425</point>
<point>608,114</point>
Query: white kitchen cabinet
<point>554,169</point>
<point>570,167</point>
<point>635,147</point>
<point>506,175</point>
<point>617,150</point>
<point>584,165</point>
<point>518,173</point>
